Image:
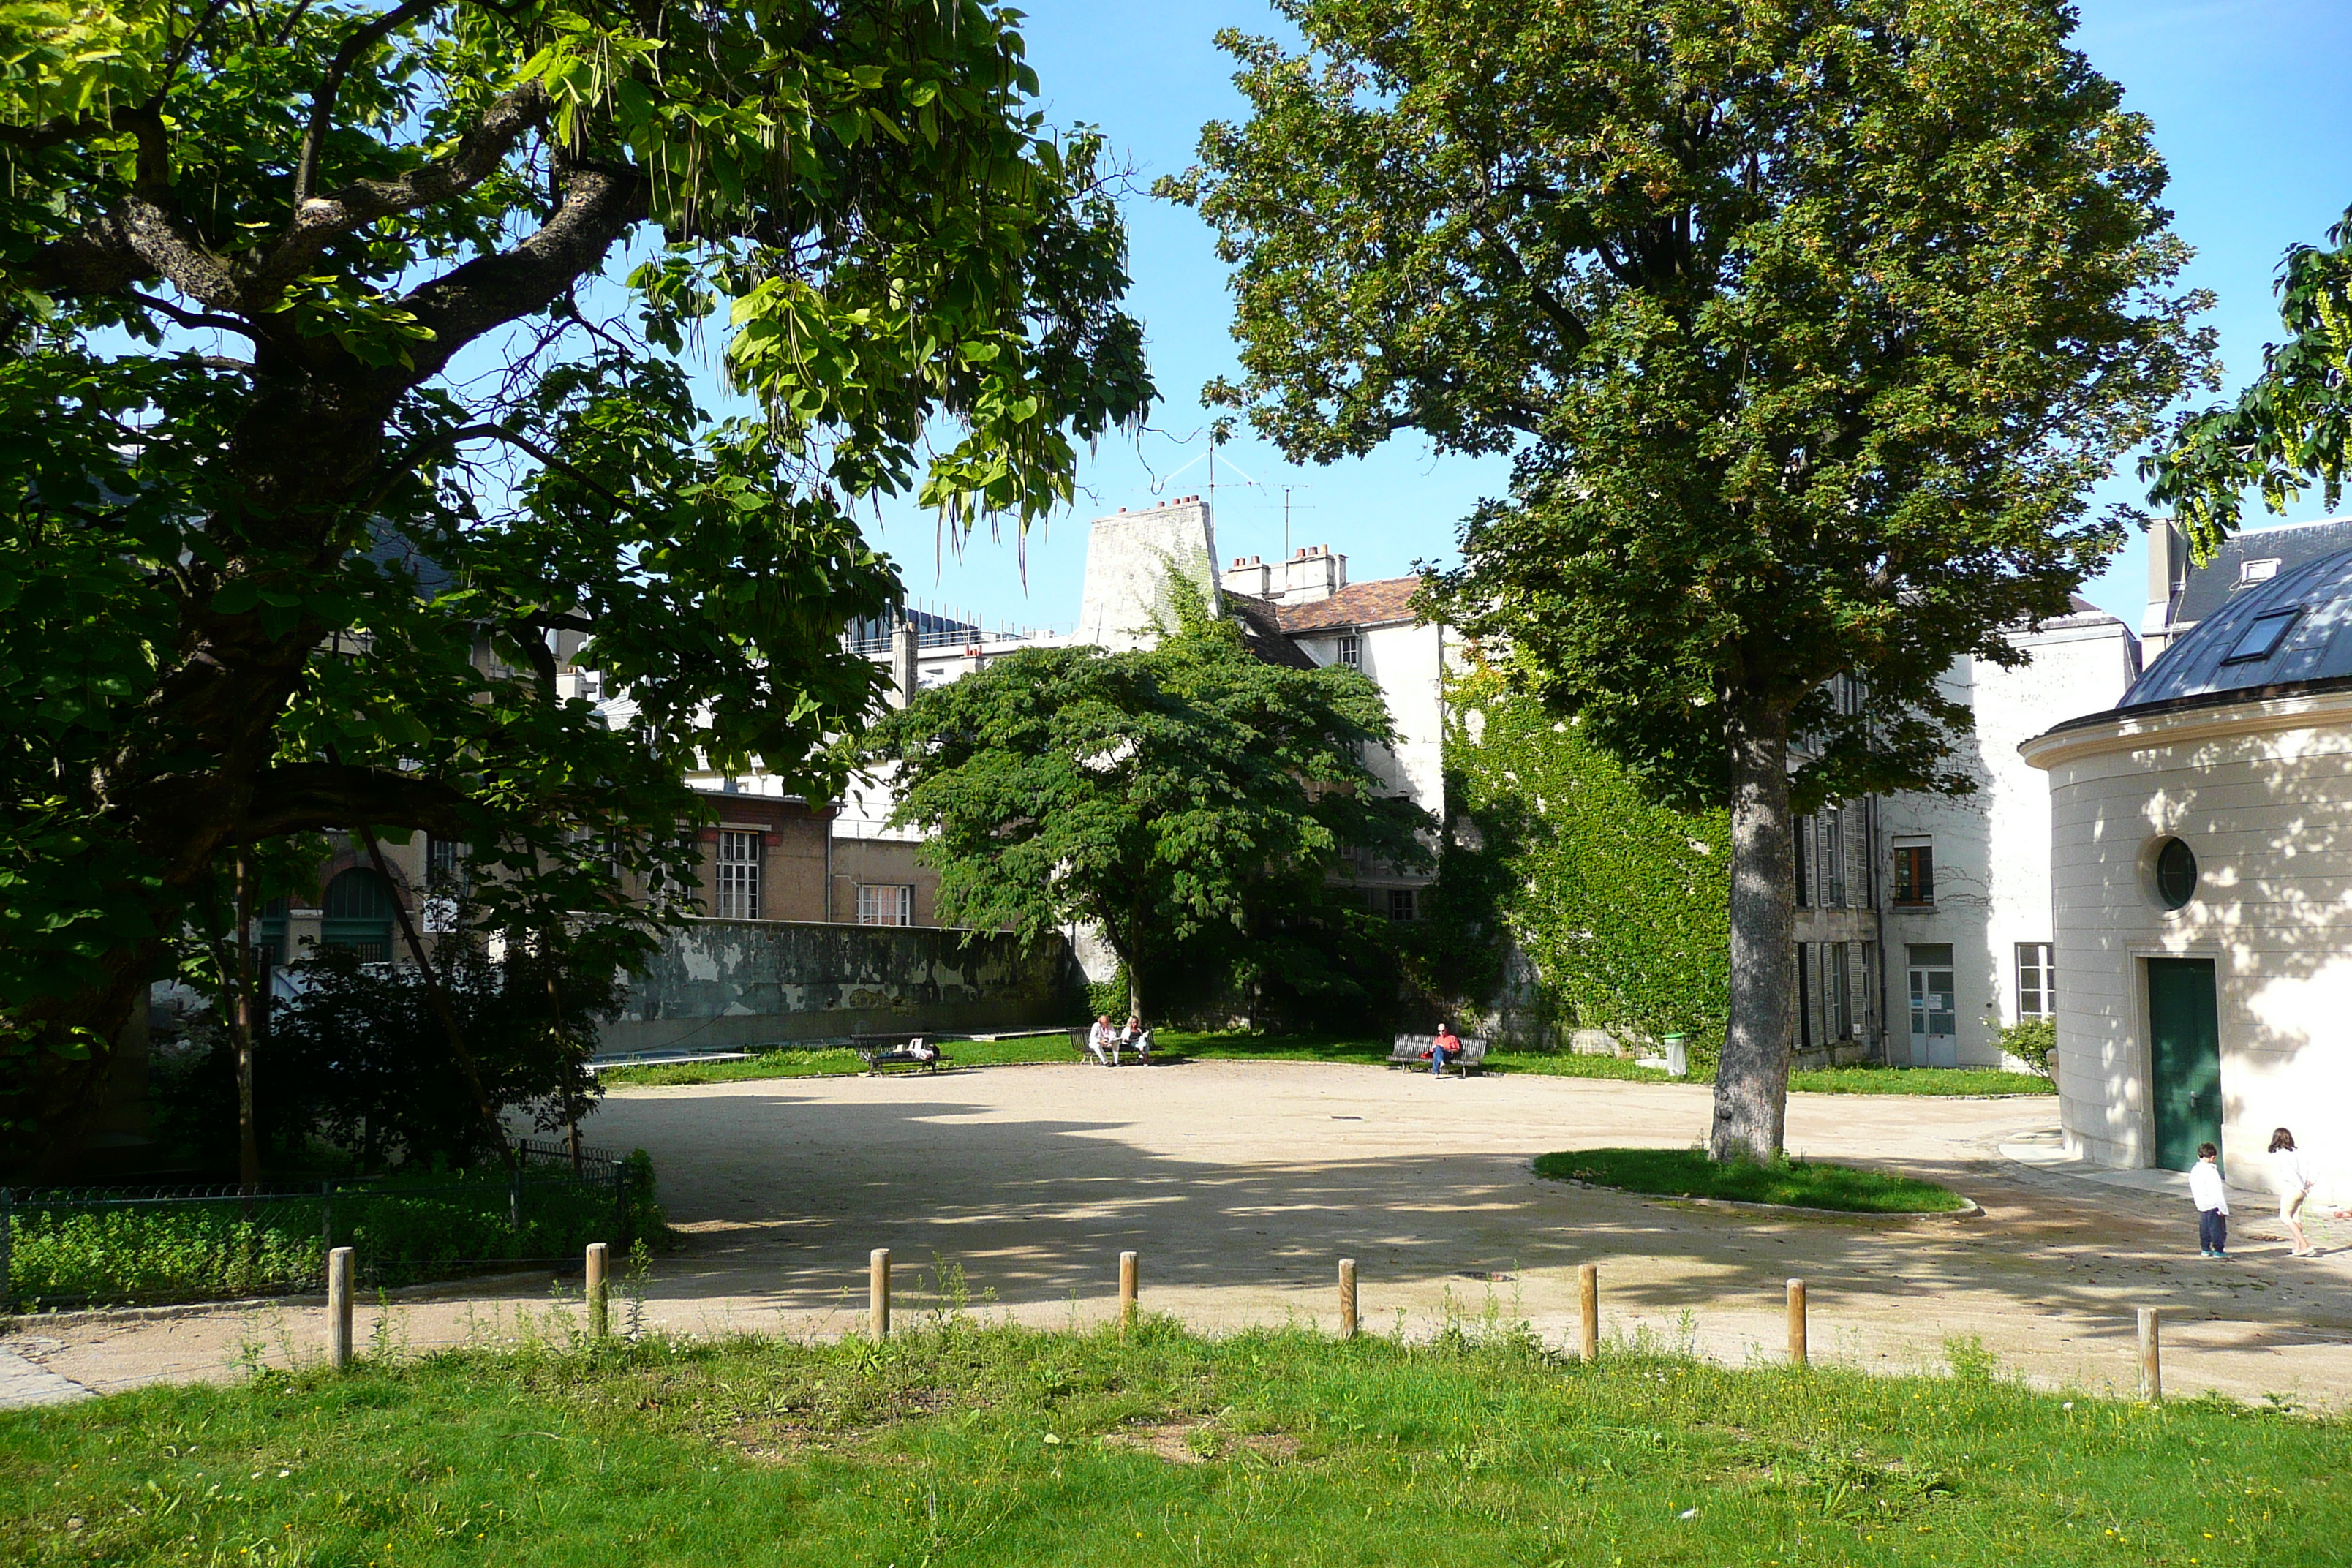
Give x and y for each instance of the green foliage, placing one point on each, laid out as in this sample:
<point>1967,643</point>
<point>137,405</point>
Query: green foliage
<point>1621,905</point>
<point>1189,799</point>
<point>966,1443</point>
<point>1809,327</point>
<point>419,1225</point>
<point>1108,998</point>
<point>2031,1041</point>
<point>1805,1183</point>
<point>277,557</point>
<point>2292,425</point>
<point>1872,1077</point>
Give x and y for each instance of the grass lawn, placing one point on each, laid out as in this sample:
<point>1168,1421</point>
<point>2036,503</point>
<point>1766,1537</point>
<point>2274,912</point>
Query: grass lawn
<point>1177,1046</point>
<point>1872,1079</point>
<point>1689,1174</point>
<point>983,1446</point>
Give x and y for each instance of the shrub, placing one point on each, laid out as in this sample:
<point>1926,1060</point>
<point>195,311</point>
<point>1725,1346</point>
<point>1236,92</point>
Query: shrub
<point>2031,1041</point>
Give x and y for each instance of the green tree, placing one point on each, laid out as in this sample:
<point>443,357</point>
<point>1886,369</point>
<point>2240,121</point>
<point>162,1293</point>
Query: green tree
<point>1181,798</point>
<point>2290,428</point>
<point>1808,326</point>
<point>321,418</point>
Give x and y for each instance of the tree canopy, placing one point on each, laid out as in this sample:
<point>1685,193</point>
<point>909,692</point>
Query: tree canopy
<point>1187,800</point>
<point>2292,426</point>
<point>1807,326</point>
<point>352,357</point>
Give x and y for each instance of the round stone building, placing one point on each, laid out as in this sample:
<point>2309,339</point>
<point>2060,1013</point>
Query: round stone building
<point>2201,890</point>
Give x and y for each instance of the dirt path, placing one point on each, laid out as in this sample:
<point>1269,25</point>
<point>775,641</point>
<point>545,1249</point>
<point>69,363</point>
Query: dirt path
<point>1242,1184</point>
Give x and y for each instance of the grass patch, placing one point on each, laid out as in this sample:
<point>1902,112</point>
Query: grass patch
<point>1183,1044</point>
<point>968,1445</point>
<point>1870,1078</point>
<point>404,1227</point>
<point>1808,1184</point>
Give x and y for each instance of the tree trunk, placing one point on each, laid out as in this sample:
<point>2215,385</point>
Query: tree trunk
<point>249,1141</point>
<point>1751,1082</point>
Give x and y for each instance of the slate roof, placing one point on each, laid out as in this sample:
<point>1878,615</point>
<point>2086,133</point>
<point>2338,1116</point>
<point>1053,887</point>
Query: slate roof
<point>1262,632</point>
<point>2225,652</point>
<point>2222,579</point>
<point>1381,602</point>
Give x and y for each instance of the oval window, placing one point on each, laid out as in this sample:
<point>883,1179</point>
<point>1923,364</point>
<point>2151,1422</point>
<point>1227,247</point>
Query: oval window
<point>2176,873</point>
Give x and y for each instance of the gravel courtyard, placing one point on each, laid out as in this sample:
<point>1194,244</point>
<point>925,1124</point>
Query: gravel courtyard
<point>1242,1184</point>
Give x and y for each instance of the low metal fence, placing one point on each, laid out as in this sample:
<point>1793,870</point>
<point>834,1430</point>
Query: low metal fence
<point>73,1246</point>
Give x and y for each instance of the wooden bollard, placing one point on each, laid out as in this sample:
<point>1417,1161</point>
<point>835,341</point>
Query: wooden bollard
<point>1127,1284</point>
<point>1587,1300</point>
<point>599,1316</point>
<point>1796,1322</point>
<point>2151,1357</point>
<point>877,1294</point>
<point>1347,1297</point>
<point>339,1308</point>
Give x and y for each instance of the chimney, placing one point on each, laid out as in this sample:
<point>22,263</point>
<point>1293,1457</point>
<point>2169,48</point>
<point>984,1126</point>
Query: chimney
<point>1314,573</point>
<point>1249,575</point>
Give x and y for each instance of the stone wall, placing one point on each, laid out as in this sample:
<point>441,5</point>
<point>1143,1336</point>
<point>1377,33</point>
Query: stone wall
<point>725,984</point>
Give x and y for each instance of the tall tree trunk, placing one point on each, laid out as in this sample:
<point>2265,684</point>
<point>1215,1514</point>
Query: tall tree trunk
<point>249,1140</point>
<point>1751,1082</point>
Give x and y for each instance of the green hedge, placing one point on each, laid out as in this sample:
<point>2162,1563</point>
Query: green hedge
<point>1622,907</point>
<point>402,1230</point>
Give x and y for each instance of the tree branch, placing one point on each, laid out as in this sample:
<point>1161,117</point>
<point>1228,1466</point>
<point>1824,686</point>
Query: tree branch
<point>297,797</point>
<point>478,153</point>
<point>194,321</point>
<point>599,207</point>
<point>322,103</point>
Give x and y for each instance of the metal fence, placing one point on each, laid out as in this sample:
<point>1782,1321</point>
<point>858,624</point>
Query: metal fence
<point>71,1247</point>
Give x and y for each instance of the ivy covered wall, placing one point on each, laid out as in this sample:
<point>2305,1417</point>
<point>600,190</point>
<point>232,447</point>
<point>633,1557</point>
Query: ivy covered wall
<point>1620,908</point>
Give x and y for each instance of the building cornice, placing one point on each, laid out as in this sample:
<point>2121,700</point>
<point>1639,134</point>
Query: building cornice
<point>2206,717</point>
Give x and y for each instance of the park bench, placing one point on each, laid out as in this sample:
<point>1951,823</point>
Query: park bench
<point>1079,1048</point>
<point>883,1052</point>
<point>1413,1051</point>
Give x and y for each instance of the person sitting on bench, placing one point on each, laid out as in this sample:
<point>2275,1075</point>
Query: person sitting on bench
<point>1103,1040</point>
<point>1137,1036</point>
<point>1446,1047</point>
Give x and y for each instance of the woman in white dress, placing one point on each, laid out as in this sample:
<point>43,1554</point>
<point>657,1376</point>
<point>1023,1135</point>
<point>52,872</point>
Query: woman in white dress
<point>2293,1173</point>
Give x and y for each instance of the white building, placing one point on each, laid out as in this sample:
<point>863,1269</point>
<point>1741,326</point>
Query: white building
<point>2201,858</point>
<point>1965,879</point>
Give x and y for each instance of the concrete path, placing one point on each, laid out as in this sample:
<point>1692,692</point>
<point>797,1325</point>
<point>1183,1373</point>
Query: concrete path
<point>1243,1183</point>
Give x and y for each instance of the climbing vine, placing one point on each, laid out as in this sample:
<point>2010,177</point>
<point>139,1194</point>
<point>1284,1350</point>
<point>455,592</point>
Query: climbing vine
<point>1621,907</point>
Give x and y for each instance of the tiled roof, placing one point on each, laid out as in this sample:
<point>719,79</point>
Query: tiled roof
<point>1375,603</point>
<point>1261,633</point>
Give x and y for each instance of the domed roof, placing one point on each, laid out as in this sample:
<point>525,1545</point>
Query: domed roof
<point>2289,629</point>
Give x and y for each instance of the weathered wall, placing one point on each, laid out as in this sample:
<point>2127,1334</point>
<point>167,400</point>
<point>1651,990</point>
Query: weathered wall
<point>725,984</point>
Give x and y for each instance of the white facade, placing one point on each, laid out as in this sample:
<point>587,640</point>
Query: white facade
<point>2260,793</point>
<point>1130,556</point>
<point>1970,957</point>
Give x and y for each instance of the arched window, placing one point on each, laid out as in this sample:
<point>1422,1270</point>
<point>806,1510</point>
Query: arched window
<point>358,911</point>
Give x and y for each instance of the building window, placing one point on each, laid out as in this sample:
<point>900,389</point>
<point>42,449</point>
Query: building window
<point>1833,857</point>
<point>358,915</point>
<point>2037,979</point>
<point>1806,1032</point>
<point>1915,874</point>
<point>2176,873</point>
<point>739,876</point>
<point>1401,904</point>
<point>1840,991</point>
<point>1351,652</point>
<point>886,905</point>
<point>1804,838</point>
<point>445,863</point>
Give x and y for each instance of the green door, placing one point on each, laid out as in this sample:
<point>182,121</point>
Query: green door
<point>2185,1058</point>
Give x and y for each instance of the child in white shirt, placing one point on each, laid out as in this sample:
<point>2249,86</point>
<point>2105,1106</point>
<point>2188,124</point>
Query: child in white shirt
<point>2212,1203</point>
<point>2294,1185</point>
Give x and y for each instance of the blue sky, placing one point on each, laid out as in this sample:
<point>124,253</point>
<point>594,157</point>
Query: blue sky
<point>2250,113</point>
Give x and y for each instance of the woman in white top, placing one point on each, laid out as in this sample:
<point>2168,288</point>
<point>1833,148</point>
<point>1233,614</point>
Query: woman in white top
<point>2292,1173</point>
